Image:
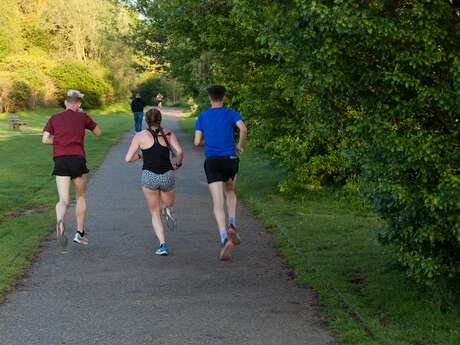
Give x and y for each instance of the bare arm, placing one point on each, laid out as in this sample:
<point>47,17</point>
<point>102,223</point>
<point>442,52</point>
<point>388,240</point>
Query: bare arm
<point>97,131</point>
<point>177,148</point>
<point>198,138</point>
<point>47,138</point>
<point>131,155</point>
<point>243,133</point>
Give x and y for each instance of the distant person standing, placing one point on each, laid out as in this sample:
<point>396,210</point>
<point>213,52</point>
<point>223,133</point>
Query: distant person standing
<point>137,107</point>
<point>66,132</point>
<point>159,99</point>
<point>215,125</point>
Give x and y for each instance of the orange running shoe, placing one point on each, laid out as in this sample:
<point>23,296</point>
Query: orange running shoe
<point>226,250</point>
<point>233,235</point>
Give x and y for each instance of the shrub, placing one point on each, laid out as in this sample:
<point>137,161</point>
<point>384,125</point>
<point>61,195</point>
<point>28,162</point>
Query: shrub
<point>15,94</point>
<point>21,94</point>
<point>385,77</point>
<point>72,75</point>
<point>32,68</point>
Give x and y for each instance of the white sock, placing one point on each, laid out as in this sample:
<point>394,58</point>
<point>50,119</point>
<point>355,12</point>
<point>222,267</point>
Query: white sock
<point>223,235</point>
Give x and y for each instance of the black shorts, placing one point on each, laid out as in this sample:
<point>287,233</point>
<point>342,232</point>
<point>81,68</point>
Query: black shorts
<point>73,166</point>
<point>221,168</point>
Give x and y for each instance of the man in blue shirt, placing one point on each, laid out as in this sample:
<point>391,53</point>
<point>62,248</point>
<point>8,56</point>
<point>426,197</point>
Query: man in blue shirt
<point>215,126</point>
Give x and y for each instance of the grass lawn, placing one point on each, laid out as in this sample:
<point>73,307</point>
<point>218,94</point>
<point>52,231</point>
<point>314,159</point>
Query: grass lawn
<point>27,189</point>
<point>330,242</point>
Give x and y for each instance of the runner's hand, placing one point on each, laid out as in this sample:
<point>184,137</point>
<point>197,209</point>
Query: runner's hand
<point>177,166</point>
<point>239,149</point>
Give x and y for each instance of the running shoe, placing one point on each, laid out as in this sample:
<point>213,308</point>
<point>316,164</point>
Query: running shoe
<point>226,250</point>
<point>163,250</point>
<point>163,218</point>
<point>233,235</point>
<point>81,239</point>
<point>60,234</point>
<point>169,218</point>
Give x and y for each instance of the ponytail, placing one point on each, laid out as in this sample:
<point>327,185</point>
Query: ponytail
<point>153,117</point>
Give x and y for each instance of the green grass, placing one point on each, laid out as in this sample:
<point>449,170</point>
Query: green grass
<point>26,183</point>
<point>330,242</point>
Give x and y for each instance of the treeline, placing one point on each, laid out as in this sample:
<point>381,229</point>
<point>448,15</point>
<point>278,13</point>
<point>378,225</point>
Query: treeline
<point>48,46</point>
<point>350,94</point>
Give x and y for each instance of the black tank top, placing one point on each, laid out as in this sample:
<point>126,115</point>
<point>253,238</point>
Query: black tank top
<point>156,157</point>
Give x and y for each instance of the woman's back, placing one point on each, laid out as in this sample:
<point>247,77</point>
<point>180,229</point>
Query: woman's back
<point>155,150</point>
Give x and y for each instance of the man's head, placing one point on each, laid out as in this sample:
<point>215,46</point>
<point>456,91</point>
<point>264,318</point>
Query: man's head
<point>216,93</point>
<point>138,95</point>
<point>73,100</point>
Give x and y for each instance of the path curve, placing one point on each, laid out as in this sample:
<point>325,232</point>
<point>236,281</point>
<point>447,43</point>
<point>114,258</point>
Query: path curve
<point>116,292</point>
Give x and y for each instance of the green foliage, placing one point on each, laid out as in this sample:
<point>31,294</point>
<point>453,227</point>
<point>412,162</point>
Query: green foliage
<point>78,76</point>
<point>37,35</point>
<point>32,68</point>
<point>336,252</point>
<point>149,88</point>
<point>340,91</point>
<point>153,85</point>
<point>10,27</point>
<point>20,93</point>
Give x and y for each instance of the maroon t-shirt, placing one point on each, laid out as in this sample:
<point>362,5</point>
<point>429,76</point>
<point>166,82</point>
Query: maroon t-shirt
<point>68,129</point>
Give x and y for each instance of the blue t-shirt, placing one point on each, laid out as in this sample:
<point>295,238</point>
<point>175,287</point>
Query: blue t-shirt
<point>217,126</point>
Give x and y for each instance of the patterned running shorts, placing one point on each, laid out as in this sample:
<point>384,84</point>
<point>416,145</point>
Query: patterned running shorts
<point>164,182</point>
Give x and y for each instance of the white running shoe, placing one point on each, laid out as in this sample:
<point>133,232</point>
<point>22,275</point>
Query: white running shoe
<point>169,218</point>
<point>60,234</point>
<point>81,239</point>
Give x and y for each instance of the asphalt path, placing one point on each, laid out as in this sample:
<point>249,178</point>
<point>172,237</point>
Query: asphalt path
<point>117,292</point>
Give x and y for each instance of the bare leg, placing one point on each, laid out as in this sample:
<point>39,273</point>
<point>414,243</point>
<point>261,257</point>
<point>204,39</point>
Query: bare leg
<point>153,202</point>
<point>168,198</point>
<point>63,186</point>
<point>231,198</point>
<point>80,210</point>
<point>231,208</point>
<point>217,194</point>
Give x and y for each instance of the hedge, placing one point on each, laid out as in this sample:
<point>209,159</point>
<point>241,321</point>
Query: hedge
<point>73,75</point>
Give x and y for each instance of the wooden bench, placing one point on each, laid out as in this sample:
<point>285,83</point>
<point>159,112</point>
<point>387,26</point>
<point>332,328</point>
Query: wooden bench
<point>15,123</point>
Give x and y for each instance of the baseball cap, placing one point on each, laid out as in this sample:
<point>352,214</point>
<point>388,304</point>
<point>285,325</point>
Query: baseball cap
<point>74,94</point>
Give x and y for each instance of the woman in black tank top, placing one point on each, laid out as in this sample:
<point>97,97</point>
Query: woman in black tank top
<point>157,157</point>
<point>158,183</point>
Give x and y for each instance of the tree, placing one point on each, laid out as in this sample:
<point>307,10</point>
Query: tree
<point>10,28</point>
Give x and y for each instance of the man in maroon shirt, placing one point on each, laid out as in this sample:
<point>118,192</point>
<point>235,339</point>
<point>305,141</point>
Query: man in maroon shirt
<point>66,132</point>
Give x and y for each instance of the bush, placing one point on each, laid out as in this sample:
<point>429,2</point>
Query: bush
<point>33,79</point>
<point>72,75</point>
<point>15,94</point>
<point>32,68</point>
<point>385,78</point>
<point>21,94</point>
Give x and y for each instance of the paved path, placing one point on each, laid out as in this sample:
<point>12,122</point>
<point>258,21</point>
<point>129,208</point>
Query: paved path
<point>116,292</point>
